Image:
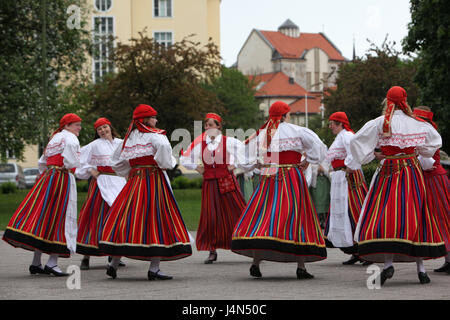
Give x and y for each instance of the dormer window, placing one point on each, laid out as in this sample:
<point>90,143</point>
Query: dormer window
<point>103,5</point>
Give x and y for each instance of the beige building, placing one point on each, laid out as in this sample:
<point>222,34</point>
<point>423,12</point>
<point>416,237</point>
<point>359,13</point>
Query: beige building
<point>167,21</point>
<point>291,66</point>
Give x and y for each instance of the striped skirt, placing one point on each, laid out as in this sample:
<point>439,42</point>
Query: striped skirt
<point>218,217</point>
<point>280,222</point>
<point>91,219</point>
<point>438,199</point>
<point>39,221</point>
<point>396,219</point>
<point>357,190</point>
<point>144,221</point>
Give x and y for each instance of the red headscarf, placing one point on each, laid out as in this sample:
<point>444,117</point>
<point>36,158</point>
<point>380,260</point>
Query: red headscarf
<point>142,111</point>
<point>214,116</point>
<point>65,120</point>
<point>396,96</point>
<point>276,111</point>
<point>101,122</point>
<point>424,114</point>
<point>342,118</point>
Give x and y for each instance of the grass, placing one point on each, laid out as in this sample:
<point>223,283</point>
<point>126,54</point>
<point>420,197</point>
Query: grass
<point>189,202</point>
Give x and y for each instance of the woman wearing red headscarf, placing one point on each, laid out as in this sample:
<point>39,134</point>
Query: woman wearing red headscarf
<point>395,223</point>
<point>104,187</point>
<point>46,220</point>
<point>144,222</point>
<point>438,188</point>
<point>280,222</point>
<point>214,156</point>
<point>348,189</point>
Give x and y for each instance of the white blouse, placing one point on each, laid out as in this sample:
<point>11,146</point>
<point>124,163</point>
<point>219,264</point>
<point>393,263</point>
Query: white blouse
<point>340,148</point>
<point>235,149</point>
<point>66,144</point>
<point>288,137</point>
<point>98,153</point>
<point>406,132</point>
<point>141,144</point>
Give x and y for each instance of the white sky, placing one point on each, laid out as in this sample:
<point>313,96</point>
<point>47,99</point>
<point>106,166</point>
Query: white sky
<point>340,20</point>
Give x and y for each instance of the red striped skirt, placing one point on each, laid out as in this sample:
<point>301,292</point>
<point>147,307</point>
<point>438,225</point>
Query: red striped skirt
<point>90,222</point>
<point>357,190</point>
<point>144,221</point>
<point>218,217</point>
<point>280,221</point>
<point>396,219</point>
<point>39,221</point>
<point>438,199</point>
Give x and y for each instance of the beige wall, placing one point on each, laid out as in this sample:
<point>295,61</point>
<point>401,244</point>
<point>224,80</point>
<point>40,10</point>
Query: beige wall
<point>30,155</point>
<point>255,56</point>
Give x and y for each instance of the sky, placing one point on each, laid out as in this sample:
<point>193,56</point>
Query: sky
<point>340,20</point>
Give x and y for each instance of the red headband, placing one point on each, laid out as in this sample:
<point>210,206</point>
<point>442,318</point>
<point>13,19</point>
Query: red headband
<point>214,116</point>
<point>144,111</point>
<point>278,109</point>
<point>100,122</point>
<point>342,118</point>
<point>428,115</point>
<point>68,119</point>
<point>396,96</point>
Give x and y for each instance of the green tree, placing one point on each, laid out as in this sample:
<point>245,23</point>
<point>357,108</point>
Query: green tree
<point>25,112</point>
<point>169,79</point>
<point>429,38</point>
<point>237,96</point>
<point>362,84</point>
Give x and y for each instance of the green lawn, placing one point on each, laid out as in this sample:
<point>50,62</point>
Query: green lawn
<point>189,201</point>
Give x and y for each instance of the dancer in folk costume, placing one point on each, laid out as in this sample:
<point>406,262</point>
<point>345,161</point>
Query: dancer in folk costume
<point>104,187</point>
<point>438,189</point>
<point>144,222</point>
<point>46,220</point>
<point>395,223</point>
<point>279,222</point>
<point>215,156</point>
<point>348,190</point>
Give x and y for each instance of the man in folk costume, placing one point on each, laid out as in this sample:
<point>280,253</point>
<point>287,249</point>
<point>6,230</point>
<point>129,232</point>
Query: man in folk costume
<point>438,188</point>
<point>348,190</point>
<point>214,156</point>
<point>46,220</point>
<point>279,222</point>
<point>395,224</point>
<point>104,187</point>
<point>144,222</point>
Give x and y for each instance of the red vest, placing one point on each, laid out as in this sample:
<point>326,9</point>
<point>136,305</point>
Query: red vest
<point>284,157</point>
<point>215,162</point>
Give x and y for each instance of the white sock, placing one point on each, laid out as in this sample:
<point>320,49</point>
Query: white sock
<point>53,262</point>
<point>115,262</point>
<point>154,265</point>
<point>37,258</point>
<point>301,264</point>
<point>420,266</point>
<point>388,260</point>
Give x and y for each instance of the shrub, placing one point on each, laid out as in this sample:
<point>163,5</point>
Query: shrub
<point>369,170</point>
<point>183,182</point>
<point>8,187</point>
<point>82,186</point>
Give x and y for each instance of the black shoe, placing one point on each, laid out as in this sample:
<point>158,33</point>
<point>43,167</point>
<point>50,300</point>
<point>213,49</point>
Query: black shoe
<point>255,272</point>
<point>51,270</point>
<point>110,271</point>
<point>303,274</point>
<point>423,278</point>
<point>444,268</point>
<point>84,264</point>
<point>37,270</point>
<point>157,276</point>
<point>211,260</point>
<point>354,259</point>
<point>386,274</point>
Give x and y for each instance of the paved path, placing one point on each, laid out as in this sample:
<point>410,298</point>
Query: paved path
<point>227,279</point>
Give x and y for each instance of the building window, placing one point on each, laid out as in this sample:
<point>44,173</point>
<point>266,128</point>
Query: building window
<point>162,8</point>
<point>103,45</point>
<point>103,5</point>
<point>163,38</point>
<point>10,154</point>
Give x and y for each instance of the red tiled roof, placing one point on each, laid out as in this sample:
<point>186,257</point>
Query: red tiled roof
<point>300,105</point>
<point>289,47</point>
<point>277,84</point>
